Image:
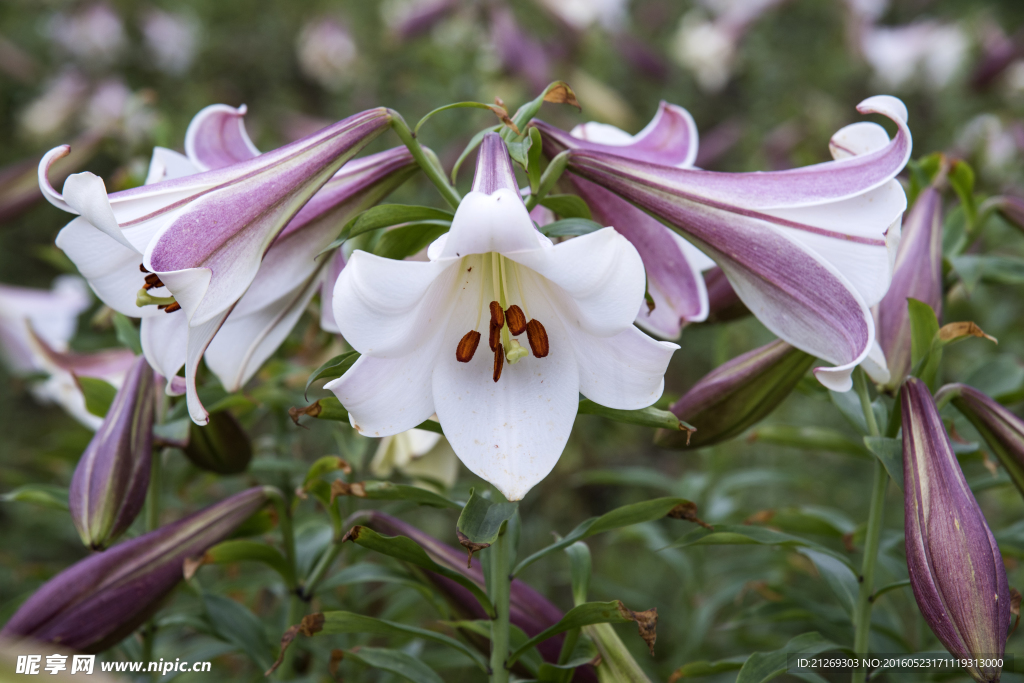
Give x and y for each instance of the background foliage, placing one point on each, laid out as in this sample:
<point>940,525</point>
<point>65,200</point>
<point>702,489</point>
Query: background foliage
<point>798,73</point>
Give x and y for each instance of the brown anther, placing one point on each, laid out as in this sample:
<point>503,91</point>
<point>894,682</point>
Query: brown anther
<point>538,338</point>
<point>516,320</point>
<point>499,362</point>
<point>494,338</point>
<point>147,286</point>
<point>467,346</point>
<point>172,307</point>
<point>142,268</point>
<point>497,315</point>
<point>153,280</point>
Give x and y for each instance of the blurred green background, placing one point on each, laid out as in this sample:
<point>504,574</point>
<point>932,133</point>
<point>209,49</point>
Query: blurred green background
<point>767,82</point>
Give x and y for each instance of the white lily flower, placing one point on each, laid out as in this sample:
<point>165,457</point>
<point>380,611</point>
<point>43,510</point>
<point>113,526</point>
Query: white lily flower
<point>561,315</point>
<point>417,453</point>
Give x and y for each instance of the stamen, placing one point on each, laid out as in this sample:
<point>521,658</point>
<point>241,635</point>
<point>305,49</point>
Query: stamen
<point>499,361</point>
<point>538,338</point>
<point>497,315</point>
<point>170,308</point>
<point>142,268</point>
<point>467,346</point>
<point>153,280</point>
<point>494,339</point>
<point>144,298</point>
<point>516,320</point>
<point>515,352</point>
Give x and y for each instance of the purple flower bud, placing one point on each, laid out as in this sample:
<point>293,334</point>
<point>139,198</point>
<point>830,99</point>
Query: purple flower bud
<point>724,303</point>
<point>529,610</point>
<point>917,275</point>
<point>109,486</point>
<point>98,601</point>
<point>955,567</point>
<point>737,394</point>
<point>1002,430</point>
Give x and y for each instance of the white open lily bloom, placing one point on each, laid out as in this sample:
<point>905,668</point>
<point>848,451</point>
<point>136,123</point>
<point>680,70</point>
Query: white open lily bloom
<point>498,333</point>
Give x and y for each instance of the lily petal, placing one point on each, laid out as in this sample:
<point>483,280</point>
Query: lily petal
<point>625,372</point>
<point>386,396</point>
<point>216,137</point>
<point>509,432</point>
<point>163,340</point>
<point>166,164</point>
<point>669,139</point>
<point>601,273</point>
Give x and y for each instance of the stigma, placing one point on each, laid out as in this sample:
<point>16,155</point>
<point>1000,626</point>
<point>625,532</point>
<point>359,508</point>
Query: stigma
<point>506,322</point>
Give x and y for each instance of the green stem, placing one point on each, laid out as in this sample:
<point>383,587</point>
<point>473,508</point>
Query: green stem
<point>320,570</point>
<point>284,518</point>
<point>500,588</point>
<point>429,164</point>
<point>865,598</point>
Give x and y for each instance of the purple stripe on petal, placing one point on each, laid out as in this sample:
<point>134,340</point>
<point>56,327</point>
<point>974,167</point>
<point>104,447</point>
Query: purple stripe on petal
<point>917,275</point>
<point>676,287</point>
<point>670,139</point>
<point>494,167</point>
<point>216,138</point>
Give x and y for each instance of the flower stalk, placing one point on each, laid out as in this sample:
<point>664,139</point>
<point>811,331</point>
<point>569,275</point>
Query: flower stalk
<point>876,510</point>
<point>429,164</point>
<point>500,596</point>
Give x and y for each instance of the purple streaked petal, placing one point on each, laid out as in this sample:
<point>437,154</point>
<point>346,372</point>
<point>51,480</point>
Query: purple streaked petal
<point>670,139</point>
<point>758,191</point>
<point>166,164</point>
<point>917,275</point>
<point>48,190</point>
<point>494,167</point>
<point>674,284</point>
<point>216,138</point>
<point>241,219</point>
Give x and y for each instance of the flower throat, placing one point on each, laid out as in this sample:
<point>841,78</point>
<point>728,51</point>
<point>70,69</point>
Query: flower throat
<point>506,322</point>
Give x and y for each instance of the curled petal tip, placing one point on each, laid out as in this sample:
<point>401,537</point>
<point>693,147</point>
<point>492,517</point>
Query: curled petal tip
<point>48,190</point>
<point>887,105</point>
<point>839,379</point>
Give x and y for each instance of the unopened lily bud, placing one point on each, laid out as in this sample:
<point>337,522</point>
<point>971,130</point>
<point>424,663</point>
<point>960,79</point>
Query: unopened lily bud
<point>917,275</point>
<point>109,486</point>
<point>97,602</point>
<point>955,567</point>
<point>736,395</point>
<point>1002,430</point>
<point>528,609</point>
<point>1012,209</point>
<point>222,446</point>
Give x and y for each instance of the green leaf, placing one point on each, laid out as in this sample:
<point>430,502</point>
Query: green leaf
<point>990,269</point>
<point>627,515</point>
<point>333,369</point>
<point>922,173</point>
<point>385,490</point>
<point>566,205</point>
<point>731,534</point>
<point>533,170</point>
<point>705,668</point>
<point>386,215</point>
<point>473,144</point>
<point>890,453</point>
<point>764,666</point>
<point>227,552</point>
<point>127,333</point>
<point>895,585</point>
<point>520,151</point>
<point>579,571</point>
<point>588,613</point>
<point>46,495</point>
<point>570,226</point>
<point>961,179</point>
<point>481,521</point>
<point>645,417</point>
<point>350,622</point>
<point>838,575</point>
<point>407,550</point>
<point>459,105</point>
<point>924,326</point>
<point>235,624</point>
<point>808,438</point>
<point>98,394</point>
<point>330,408</point>
<point>395,661</point>
<point>406,240</point>
<point>325,465</point>
<point>1001,377</point>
